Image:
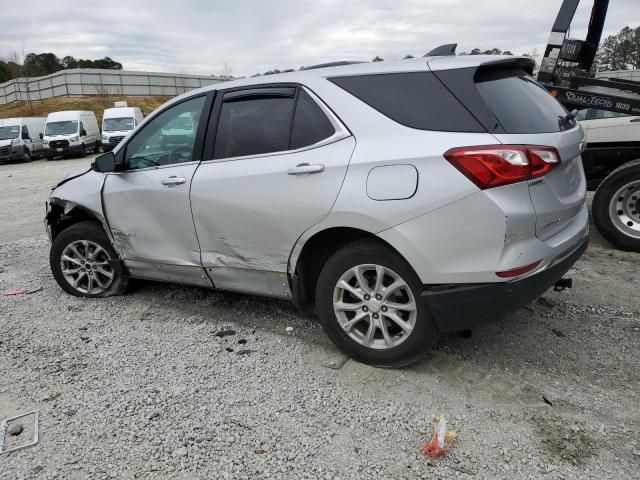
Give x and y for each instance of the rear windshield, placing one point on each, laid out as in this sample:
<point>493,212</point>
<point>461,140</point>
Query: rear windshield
<point>519,103</point>
<point>415,99</point>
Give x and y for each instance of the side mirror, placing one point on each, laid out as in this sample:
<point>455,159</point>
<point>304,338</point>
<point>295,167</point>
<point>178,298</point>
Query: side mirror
<point>83,133</point>
<point>41,136</point>
<point>104,163</point>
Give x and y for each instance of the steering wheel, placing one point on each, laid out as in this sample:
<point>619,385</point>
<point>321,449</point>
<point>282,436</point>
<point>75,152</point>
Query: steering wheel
<point>175,156</point>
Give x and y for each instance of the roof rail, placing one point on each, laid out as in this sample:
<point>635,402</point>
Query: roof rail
<point>443,50</point>
<point>330,64</point>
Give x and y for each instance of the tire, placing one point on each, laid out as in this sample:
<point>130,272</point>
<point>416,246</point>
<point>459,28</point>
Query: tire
<point>49,157</point>
<point>91,235</point>
<point>398,348</point>
<point>96,148</point>
<point>616,207</point>
<point>83,152</point>
<point>27,156</point>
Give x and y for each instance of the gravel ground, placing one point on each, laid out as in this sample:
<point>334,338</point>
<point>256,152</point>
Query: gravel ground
<point>178,382</point>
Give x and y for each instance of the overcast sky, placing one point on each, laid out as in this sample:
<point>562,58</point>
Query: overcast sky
<point>200,36</point>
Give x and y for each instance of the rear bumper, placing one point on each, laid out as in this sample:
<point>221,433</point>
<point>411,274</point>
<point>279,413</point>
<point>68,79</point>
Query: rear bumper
<point>460,307</point>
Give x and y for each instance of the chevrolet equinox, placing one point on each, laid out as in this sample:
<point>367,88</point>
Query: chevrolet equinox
<point>402,199</point>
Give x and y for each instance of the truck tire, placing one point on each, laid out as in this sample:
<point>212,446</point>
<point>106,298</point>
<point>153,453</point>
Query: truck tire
<point>27,156</point>
<point>616,207</point>
<point>368,302</point>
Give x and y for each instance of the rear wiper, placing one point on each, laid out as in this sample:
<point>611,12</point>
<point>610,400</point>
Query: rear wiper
<point>567,119</point>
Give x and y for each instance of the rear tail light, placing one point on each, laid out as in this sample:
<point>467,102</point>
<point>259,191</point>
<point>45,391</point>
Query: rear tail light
<point>495,165</point>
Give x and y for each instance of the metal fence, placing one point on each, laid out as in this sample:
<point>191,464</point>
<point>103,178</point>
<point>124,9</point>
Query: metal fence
<point>87,81</point>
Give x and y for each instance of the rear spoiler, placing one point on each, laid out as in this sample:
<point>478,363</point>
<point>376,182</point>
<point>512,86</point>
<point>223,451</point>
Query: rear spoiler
<point>520,63</point>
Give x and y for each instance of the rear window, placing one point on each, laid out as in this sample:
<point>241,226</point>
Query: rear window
<point>519,103</point>
<point>417,100</point>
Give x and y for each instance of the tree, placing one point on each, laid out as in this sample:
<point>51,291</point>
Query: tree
<point>377,59</point>
<point>69,62</point>
<point>620,51</point>
<point>5,73</point>
<point>36,65</point>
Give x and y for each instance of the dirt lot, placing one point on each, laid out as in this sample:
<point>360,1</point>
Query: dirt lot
<point>145,386</point>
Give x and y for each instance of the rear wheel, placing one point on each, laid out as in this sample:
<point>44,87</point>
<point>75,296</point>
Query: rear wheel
<point>81,259</point>
<point>616,207</point>
<point>367,299</point>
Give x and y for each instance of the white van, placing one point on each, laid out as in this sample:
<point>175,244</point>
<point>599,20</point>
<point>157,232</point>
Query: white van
<point>71,132</point>
<point>117,123</point>
<point>21,138</point>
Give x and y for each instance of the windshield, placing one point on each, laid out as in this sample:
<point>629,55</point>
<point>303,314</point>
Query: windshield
<point>8,132</point>
<point>68,127</point>
<point>117,124</point>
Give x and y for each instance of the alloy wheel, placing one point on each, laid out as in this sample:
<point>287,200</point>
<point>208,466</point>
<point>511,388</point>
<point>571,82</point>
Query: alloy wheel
<point>85,266</point>
<point>374,306</point>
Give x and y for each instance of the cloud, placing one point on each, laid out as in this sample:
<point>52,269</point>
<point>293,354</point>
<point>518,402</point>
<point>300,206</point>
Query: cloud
<point>198,36</point>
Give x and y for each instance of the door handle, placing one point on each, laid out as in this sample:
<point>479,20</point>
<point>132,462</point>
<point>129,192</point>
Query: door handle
<point>173,180</point>
<point>305,168</point>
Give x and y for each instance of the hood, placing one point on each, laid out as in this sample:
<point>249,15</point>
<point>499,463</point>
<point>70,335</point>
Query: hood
<point>4,143</point>
<point>71,175</point>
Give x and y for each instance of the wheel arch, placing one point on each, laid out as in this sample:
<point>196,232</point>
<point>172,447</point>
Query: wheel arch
<point>63,213</point>
<point>305,267</point>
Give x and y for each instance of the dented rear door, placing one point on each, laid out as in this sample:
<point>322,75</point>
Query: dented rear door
<point>259,190</point>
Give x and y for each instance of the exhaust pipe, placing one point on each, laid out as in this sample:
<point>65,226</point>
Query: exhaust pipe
<point>563,284</point>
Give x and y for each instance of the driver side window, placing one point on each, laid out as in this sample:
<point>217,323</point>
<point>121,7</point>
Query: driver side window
<point>167,139</point>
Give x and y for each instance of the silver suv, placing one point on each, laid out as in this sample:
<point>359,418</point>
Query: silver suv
<point>403,199</point>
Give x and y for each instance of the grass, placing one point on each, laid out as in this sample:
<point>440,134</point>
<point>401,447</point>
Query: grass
<point>96,104</point>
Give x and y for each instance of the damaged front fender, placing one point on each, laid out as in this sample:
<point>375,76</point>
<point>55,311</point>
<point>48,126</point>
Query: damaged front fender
<point>77,199</point>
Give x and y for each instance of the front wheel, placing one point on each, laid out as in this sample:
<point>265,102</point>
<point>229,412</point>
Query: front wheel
<point>616,207</point>
<point>83,262</point>
<point>368,301</point>
<point>27,156</point>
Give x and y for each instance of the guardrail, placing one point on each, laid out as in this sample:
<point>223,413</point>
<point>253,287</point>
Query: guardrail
<point>83,82</point>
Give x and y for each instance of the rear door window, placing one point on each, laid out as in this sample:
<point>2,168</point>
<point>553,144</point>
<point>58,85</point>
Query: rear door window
<point>310,124</point>
<point>415,99</point>
<point>519,103</point>
<point>253,126</point>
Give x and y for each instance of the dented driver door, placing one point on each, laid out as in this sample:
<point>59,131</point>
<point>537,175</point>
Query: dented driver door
<point>147,205</point>
<point>267,178</point>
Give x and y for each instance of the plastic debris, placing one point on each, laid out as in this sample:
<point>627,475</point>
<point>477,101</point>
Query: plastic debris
<point>6,425</point>
<point>441,441</point>
<point>14,293</point>
<point>20,291</point>
<point>288,329</point>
